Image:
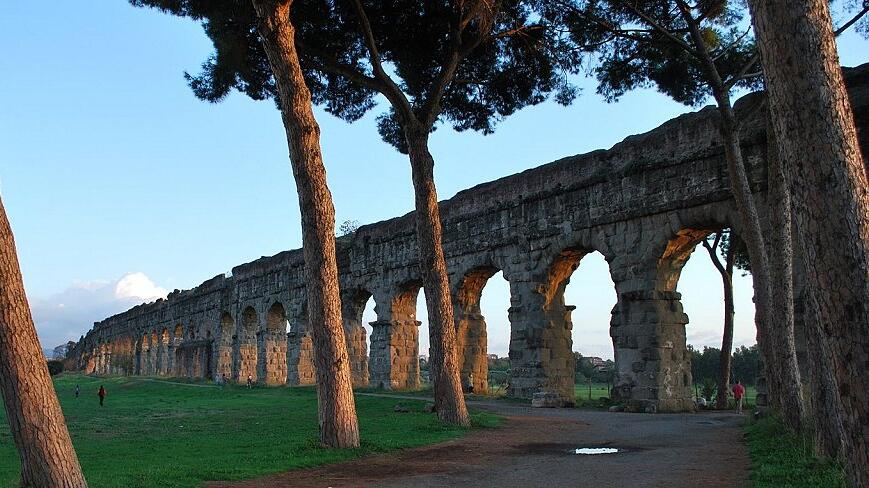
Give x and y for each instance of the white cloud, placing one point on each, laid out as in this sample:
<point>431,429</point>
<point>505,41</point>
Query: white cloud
<point>71,313</point>
<point>138,285</point>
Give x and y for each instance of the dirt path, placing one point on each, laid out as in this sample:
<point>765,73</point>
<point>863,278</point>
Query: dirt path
<point>534,449</point>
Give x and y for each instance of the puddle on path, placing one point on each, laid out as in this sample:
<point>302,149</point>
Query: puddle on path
<point>594,450</point>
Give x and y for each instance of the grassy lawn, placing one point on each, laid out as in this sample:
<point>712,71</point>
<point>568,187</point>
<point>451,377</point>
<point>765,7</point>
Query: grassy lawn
<point>154,433</point>
<point>600,390</point>
<point>779,458</point>
<point>749,402</point>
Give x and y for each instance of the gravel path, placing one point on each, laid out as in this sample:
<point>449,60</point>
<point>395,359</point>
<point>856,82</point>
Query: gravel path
<point>534,449</point>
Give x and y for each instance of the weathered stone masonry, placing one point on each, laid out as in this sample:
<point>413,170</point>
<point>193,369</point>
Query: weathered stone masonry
<point>644,204</point>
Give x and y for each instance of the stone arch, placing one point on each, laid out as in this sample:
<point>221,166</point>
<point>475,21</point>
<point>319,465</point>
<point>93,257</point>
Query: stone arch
<point>598,301</point>
<point>353,305</point>
<point>123,356</point>
<point>272,343</point>
<point>224,348</point>
<point>245,350</point>
<point>146,359</point>
<point>557,316</point>
<point>139,352</point>
<point>472,340</point>
<point>394,358</point>
<point>300,347</point>
<point>163,352</point>
<point>675,255</point>
<point>180,363</point>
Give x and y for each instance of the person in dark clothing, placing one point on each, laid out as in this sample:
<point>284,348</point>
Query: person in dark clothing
<point>102,394</point>
<point>77,391</point>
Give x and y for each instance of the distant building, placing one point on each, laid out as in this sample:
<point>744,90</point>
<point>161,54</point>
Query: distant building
<point>596,362</point>
<point>493,357</point>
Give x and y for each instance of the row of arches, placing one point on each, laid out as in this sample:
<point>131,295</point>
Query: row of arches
<point>471,295</point>
<point>640,311</point>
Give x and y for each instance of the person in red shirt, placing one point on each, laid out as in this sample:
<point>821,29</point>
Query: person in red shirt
<point>738,394</point>
<point>102,394</point>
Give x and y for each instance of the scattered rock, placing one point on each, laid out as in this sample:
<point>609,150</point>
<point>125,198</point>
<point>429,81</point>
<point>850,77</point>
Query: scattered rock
<point>543,399</point>
<point>401,409</point>
<point>429,408</point>
<point>616,408</point>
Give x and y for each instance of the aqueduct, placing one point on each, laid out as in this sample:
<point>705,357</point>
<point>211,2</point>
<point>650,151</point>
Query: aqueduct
<point>644,204</point>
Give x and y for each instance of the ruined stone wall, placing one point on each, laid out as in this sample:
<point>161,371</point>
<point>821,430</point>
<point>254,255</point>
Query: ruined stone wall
<point>643,204</point>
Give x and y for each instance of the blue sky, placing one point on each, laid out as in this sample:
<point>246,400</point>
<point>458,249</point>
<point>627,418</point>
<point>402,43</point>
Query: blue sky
<point>121,185</point>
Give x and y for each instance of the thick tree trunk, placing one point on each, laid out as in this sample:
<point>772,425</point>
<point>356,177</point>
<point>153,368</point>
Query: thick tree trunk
<point>337,410</point>
<point>449,401</point>
<point>753,237</point>
<point>35,418</point>
<point>815,128</point>
<point>781,273</point>
<point>726,272</point>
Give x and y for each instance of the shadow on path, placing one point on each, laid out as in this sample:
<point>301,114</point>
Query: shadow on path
<point>534,448</point>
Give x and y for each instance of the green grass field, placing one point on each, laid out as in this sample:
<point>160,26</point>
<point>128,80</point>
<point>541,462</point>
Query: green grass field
<point>597,391</point>
<point>780,458</point>
<point>153,433</point>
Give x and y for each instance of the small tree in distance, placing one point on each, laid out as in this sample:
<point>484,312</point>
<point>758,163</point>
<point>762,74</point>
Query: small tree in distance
<point>348,227</point>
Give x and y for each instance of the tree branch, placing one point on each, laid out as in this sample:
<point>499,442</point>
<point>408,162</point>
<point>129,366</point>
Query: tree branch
<point>329,64</point>
<point>458,51</point>
<point>660,28</point>
<point>719,89</point>
<point>732,45</point>
<point>853,20</point>
<point>391,89</point>
<point>743,72</point>
<point>609,27</point>
<point>713,254</point>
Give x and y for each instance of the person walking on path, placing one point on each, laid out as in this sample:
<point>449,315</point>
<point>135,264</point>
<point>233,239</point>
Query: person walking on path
<point>249,381</point>
<point>102,394</point>
<point>738,394</point>
<point>77,391</point>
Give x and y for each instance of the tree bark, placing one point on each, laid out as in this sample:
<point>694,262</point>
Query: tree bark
<point>35,418</point>
<point>726,272</point>
<point>826,403</point>
<point>444,366</point>
<point>814,125</point>
<point>791,403</point>
<point>337,410</point>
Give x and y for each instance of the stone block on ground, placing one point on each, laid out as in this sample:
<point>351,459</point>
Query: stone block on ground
<point>543,399</point>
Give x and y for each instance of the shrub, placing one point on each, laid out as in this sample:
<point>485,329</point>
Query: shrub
<point>55,367</point>
<point>708,389</point>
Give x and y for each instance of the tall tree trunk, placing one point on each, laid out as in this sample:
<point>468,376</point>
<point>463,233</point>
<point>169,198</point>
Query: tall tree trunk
<point>726,272</point>
<point>781,273</point>
<point>753,237</point>
<point>784,386</point>
<point>815,128</point>
<point>337,410</point>
<point>449,401</point>
<point>35,418</point>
